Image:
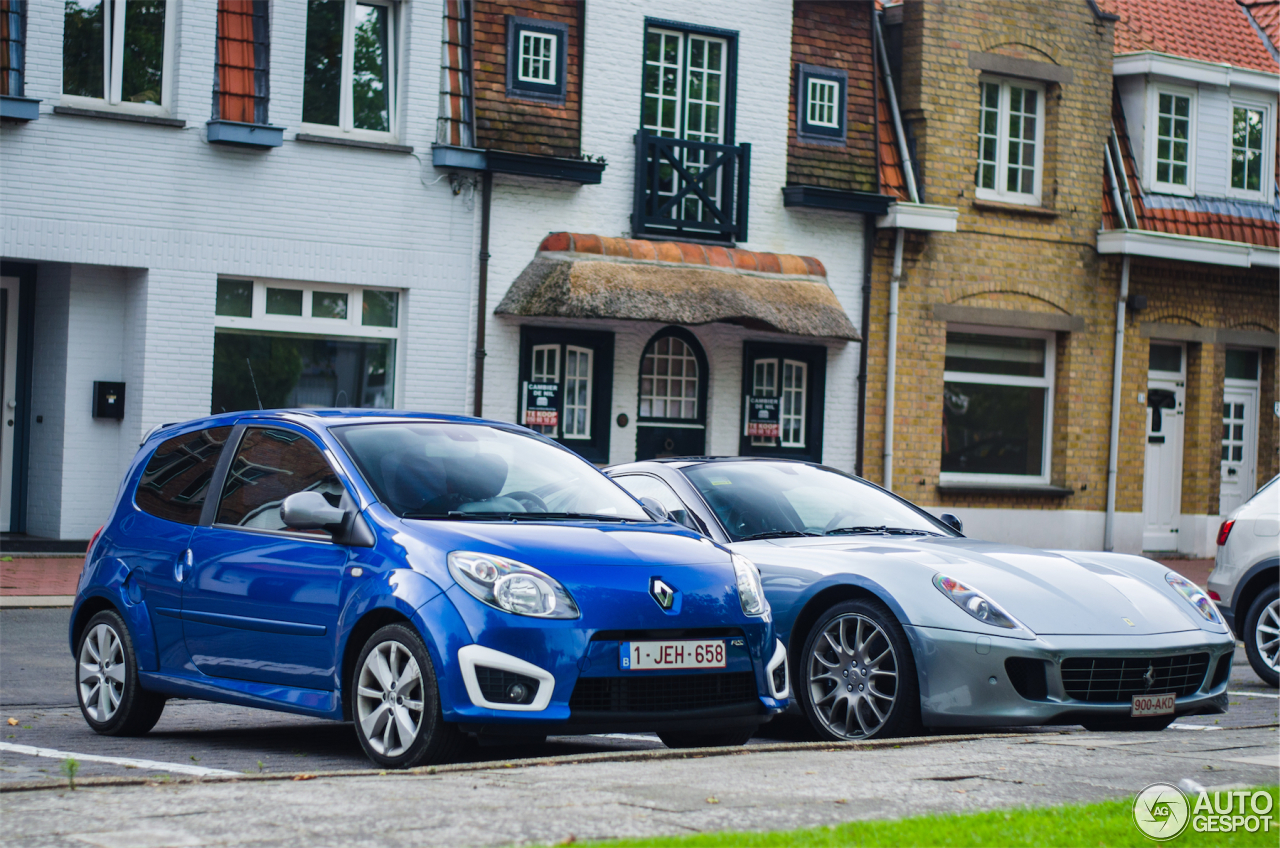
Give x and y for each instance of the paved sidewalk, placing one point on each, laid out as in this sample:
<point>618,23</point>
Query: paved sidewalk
<point>39,580</point>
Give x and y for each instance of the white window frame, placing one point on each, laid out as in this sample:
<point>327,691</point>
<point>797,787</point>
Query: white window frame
<point>1000,193</point>
<point>1045,382</point>
<point>346,117</point>
<point>349,329</point>
<point>549,351</point>
<point>832,87</point>
<point>1268,146</point>
<point>759,389</point>
<point>113,66</point>
<point>552,40</point>
<point>801,368</point>
<point>1153,124</point>
<point>590,354</point>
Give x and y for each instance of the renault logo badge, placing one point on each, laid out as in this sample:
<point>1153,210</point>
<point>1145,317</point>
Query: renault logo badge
<point>662,593</point>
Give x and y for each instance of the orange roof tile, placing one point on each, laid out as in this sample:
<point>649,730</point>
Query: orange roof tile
<point>1207,30</point>
<point>1267,14</point>
<point>892,180</point>
<point>686,253</point>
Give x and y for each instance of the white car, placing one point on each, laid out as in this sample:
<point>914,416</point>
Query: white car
<point>1246,578</point>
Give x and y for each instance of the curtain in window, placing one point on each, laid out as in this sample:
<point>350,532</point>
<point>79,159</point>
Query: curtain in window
<point>11,43</point>
<point>241,93</point>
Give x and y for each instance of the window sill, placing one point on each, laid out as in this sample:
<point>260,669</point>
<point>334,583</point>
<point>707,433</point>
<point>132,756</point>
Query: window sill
<point>127,117</point>
<point>311,138</point>
<point>14,108</point>
<point>1015,208</point>
<point>240,134</point>
<point>956,487</point>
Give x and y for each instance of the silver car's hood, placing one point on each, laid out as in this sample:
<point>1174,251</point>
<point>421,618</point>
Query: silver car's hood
<point>1049,592</point>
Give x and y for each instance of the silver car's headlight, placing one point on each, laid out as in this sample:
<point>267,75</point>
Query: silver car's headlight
<point>1198,599</point>
<point>750,590</point>
<point>511,586</point>
<point>975,603</point>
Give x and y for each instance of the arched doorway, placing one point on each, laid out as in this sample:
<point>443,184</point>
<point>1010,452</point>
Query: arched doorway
<point>672,419</point>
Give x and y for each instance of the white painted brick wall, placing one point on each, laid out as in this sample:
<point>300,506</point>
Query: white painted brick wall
<point>524,211</point>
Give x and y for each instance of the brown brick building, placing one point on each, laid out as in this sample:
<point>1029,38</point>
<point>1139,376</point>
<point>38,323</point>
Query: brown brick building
<point>1013,114</point>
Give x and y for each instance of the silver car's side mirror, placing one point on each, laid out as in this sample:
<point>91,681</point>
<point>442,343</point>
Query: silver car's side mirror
<point>952,521</point>
<point>655,508</point>
<point>310,511</point>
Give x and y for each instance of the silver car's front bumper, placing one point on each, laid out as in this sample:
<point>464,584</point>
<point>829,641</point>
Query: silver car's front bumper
<point>963,679</point>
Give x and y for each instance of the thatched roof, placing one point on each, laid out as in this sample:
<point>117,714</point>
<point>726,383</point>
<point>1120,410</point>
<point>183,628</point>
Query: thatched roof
<point>576,284</point>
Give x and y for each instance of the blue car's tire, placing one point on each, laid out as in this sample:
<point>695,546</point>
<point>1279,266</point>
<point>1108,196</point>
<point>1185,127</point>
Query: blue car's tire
<point>396,702</point>
<point>857,677</point>
<point>111,699</point>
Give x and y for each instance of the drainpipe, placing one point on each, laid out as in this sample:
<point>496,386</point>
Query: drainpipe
<point>898,132</point>
<point>1113,455</point>
<point>892,368</point>
<point>868,257</point>
<point>482,290</point>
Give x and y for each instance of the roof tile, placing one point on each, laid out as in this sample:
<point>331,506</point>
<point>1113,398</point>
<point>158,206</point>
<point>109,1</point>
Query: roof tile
<point>685,253</point>
<point>1207,30</point>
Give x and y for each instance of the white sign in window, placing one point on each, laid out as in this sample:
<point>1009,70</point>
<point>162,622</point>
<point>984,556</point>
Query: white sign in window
<point>537,59</point>
<point>822,99</point>
<point>546,369</point>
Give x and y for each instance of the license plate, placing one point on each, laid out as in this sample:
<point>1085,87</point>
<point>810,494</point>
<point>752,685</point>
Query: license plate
<point>1152,705</point>
<point>641,656</point>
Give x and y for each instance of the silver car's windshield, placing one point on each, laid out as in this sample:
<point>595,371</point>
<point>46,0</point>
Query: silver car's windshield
<point>473,471</point>
<point>771,499</point>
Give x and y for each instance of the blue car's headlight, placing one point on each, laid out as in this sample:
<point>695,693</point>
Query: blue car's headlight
<point>750,590</point>
<point>1198,599</point>
<point>511,586</point>
<point>975,603</point>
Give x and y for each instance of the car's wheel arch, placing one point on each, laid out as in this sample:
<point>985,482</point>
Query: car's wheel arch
<point>822,598</point>
<point>1255,580</point>
<point>88,608</point>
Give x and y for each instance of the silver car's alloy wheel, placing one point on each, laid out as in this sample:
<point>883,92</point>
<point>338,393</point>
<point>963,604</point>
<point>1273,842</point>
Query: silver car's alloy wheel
<point>853,676</point>
<point>1267,635</point>
<point>101,672</point>
<point>389,699</point>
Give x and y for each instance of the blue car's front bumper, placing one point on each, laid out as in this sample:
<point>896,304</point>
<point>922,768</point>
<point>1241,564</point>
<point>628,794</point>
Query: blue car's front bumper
<point>583,687</point>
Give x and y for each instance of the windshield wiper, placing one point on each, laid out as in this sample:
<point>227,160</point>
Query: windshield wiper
<point>776,534</point>
<point>889,531</point>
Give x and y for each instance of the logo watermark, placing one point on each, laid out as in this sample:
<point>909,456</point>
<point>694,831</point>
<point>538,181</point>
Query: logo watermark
<point>1162,811</point>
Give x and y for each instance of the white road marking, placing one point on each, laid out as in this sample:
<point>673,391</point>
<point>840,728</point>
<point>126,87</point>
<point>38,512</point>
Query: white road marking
<point>1254,694</point>
<point>176,768</point>
<point>1177,726</point>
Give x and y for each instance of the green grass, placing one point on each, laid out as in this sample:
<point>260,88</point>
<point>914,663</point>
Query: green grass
<point>1108,824</point>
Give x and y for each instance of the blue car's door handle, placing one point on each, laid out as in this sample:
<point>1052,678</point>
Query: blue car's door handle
<point>182,568</point>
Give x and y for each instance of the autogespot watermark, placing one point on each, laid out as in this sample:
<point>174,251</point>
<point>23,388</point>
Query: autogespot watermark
<point>1162,811</point>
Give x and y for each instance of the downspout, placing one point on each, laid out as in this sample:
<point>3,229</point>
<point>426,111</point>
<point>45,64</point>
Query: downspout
<point>892,367</point>
<point>482,290</point>
<point>1113,454</point>
<point>1115,191</point>
<point>898,132</point>
<point>868,257</point>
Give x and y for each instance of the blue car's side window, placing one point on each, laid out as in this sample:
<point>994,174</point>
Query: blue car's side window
<point>270,465</point>
<point>174,483</point>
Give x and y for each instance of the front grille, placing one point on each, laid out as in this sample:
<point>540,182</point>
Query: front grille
<point>1222,673</point>
<point>495,685</point>
<point>1118,679</point>
<point>670,693</point>
<point>1028,677</point>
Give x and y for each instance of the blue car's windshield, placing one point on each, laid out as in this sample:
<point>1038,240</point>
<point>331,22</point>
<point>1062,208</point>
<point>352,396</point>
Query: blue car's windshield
<point>770,499</point>
<point>473,471</point>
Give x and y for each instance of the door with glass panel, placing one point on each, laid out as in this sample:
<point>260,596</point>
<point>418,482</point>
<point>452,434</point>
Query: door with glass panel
<point>1162,472</point>
<point>8,391</point>
<point>1239,430</point>
<point>685,97</point>
<point>673,397</point>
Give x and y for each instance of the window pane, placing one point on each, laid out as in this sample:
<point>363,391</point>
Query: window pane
<point>272,372</point>
<point>174,483</point>
<point>1242,364</point>
<point>12,43</point>
<point>981,354</point>
<point>322,71</point>
<point>329,305</point>
<point>988,135</point>
<point>371,84</point>
<point>992,429</point>
<point>284,301</point>
<point>655,393</point>
<point>1246,148</point>
<point>379,309</point>
<point>143,51</point>
<point>269,466</point>
<point>1173,129</point>
<point>235,297</point>
<point>82,47</point>
<point>1165,358</point>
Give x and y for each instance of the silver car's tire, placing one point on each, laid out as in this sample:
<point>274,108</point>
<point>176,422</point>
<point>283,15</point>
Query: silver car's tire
<point>112,701</point>
<point>396,702</point>
<point>1261,635</point>
<point>858,674</point>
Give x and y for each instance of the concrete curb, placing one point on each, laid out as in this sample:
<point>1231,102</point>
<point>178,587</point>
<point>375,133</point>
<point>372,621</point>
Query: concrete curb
<point>14,601</point>
<point>563,760</point>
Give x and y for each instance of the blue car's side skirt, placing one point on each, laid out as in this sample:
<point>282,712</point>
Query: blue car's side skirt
<point>245,693</point>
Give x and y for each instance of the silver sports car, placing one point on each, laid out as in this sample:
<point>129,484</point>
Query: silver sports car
<point>894,620</point>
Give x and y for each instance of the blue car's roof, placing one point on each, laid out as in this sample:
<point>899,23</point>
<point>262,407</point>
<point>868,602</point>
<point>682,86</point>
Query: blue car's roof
<point>325,418</point>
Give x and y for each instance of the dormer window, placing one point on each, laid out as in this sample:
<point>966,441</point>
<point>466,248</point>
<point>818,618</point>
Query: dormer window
<point>1249,158</point>
<point>1170,141</point>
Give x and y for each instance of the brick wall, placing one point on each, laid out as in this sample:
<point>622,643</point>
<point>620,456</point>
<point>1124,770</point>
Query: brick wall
<point>515,124</point>
<point>837,36</point>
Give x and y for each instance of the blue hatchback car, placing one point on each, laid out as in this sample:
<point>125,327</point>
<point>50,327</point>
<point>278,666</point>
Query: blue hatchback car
<point>425,577</point>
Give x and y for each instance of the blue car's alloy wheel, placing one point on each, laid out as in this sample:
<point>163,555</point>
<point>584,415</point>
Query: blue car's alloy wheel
<point>107,680</point>
<point>397,704</point>
<point>860,680</point>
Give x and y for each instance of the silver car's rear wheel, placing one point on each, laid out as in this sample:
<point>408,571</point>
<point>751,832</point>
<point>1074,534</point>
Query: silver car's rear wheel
<point>1266,634</point>
<point>101,672</point>
<point>853,676</point>
<point>389,699</point>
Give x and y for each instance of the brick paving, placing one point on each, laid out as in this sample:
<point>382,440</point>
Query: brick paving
<point>36,576</point>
